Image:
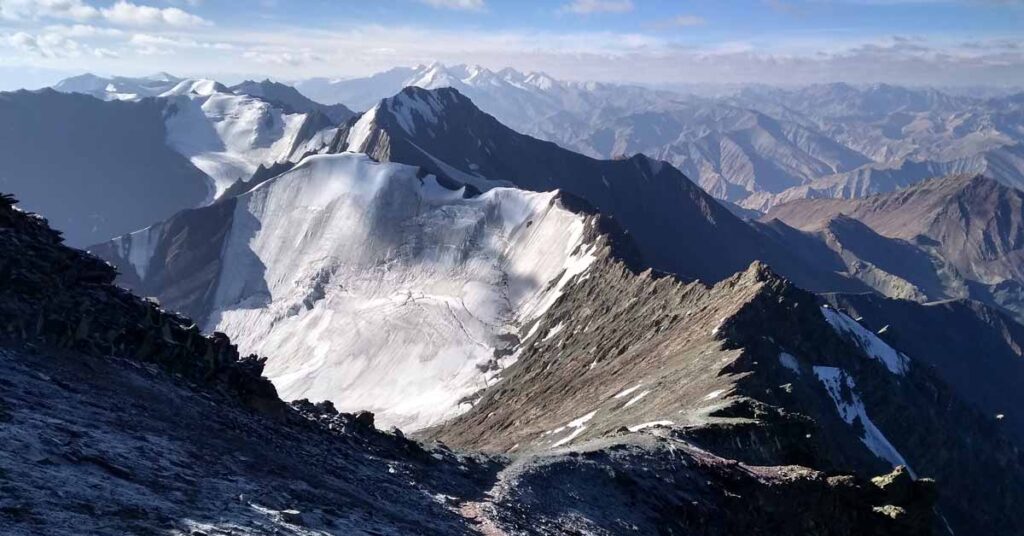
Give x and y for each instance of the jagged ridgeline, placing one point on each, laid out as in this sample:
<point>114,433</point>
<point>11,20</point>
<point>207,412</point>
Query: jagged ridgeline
<point>106,395</point>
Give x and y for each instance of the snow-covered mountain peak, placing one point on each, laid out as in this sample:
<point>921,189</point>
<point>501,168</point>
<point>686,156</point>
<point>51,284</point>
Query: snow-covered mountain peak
<point>83,83</point>
<point>415,106</point>
<point>117,87</point>
<point>162,77</point>
<point>199,87</point>
<point>415,110</point>
<point>438,75</point>
<point>228,136</point>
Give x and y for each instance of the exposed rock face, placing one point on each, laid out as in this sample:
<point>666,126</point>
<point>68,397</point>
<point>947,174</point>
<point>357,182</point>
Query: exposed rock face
<point>65,298</point>
<point>954,237</point>
<point>207,447</point>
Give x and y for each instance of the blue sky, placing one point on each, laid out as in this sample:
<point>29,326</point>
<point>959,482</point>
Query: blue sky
<point>941,42</point>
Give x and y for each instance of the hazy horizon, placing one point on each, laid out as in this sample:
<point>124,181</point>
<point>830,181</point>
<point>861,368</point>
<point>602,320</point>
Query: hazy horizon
<point>648,42</point>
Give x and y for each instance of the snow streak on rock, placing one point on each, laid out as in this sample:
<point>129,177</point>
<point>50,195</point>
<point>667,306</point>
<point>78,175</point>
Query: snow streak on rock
<point>841,388</point>
<point>875,347</point>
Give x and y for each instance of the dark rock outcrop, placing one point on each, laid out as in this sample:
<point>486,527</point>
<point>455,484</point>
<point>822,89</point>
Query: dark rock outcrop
<point>64,298</point>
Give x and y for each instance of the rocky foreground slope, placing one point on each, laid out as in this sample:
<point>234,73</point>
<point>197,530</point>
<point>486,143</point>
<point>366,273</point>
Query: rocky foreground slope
<point>119,417</point>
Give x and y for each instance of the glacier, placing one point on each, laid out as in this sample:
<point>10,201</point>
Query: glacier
<point>376,287</point>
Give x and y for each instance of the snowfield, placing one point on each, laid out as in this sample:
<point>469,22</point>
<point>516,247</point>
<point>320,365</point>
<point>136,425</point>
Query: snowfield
<point>377,289</point>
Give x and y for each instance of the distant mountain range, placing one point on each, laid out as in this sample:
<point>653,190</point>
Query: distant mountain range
<point>953,237</point>
<point>757,146</point>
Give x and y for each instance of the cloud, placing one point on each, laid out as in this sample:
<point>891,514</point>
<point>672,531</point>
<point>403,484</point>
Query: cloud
<point>36,9</point>
<point>683,21</point>
<point>283,57</point>
<point>83,30</point>
<point>122,13</point>
<point>155,45</point>
<point>586,7</point>
<point>52,45</point>
<point>466,5</point>
<point>129,14</point>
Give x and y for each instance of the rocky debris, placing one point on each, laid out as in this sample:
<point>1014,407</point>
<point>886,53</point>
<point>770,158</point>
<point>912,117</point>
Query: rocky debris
<point>707,495</point>
<point>900,488</point>
<point>186,461</point>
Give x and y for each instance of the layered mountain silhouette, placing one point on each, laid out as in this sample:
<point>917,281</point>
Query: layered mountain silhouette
<point>93,187</point>
<point>103,157</point>
<point>676,226</point>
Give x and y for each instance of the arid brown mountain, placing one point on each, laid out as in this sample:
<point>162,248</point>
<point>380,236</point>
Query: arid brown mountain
<point>970,229</point>
<point>1004,164</point>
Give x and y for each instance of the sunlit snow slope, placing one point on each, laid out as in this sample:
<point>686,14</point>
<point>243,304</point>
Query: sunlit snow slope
<point>228,136</point>
<point>374,286</point>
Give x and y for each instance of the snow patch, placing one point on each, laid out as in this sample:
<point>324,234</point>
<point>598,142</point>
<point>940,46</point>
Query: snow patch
<point>554,331</point>
<point>138,248</point>
<point>714,394</point>
<point>406,108</point>
<point>636,399</point>
<point>651,424</point>
<point>359,134</point>
<point>789,361</point>
<point>627,392</point>
<point>875,347</point>
<point>578,426</point>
